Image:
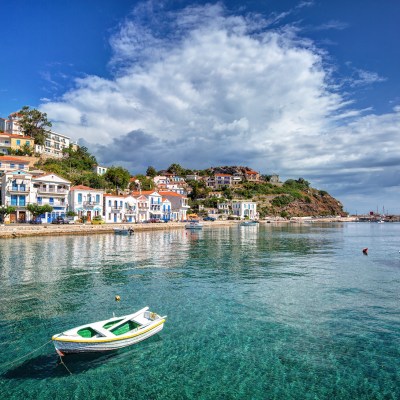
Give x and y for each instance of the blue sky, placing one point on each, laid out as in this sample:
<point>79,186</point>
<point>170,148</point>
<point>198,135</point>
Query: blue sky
<point>300,88</point>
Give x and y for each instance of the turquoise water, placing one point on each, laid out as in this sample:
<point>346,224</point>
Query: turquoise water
<point>264,312</point>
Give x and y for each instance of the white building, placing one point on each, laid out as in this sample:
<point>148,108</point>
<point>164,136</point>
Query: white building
<point>120,208</point>
<point>244,209</point>
<point>54,145</point>
<point>85,201</point>
<point>11,125</point>
<point>16,191</point>
<point>99,170</point>
<point>8,163</point>
<point>179,205</point>
<point>53,190</point>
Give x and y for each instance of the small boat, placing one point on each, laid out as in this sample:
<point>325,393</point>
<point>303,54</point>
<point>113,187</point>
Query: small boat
<point>111,334</point>
<point>123,231</point>
<point>194,225</point>
<point>249,223</point>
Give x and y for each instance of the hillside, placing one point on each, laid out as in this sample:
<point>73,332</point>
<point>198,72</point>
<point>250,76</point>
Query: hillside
<point>291,198</point>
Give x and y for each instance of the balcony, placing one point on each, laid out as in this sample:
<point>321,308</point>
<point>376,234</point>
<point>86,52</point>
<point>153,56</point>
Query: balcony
<point>18,189</point>
<point>52,204</point>
<point>116,209</point>
<point>53,192</point>
<point>91,204</point>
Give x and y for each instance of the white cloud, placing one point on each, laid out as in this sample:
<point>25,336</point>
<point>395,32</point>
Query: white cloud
<point>202,88</point>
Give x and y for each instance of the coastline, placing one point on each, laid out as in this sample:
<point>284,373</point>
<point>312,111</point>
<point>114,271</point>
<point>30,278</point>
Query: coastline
<point>26,230</point>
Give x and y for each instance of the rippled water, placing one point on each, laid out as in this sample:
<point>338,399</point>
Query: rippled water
<point>264,312</point>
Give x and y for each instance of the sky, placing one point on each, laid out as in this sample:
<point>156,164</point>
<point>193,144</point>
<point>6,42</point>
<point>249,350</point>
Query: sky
<point>305,88</point>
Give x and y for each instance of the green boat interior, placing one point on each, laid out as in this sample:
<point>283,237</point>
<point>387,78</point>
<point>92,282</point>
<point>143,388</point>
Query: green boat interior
<point>124,328</point>
<point>108,325</point>
<point>89,332</point>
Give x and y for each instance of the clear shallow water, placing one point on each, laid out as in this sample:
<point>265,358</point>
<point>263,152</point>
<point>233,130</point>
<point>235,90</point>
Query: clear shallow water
<point>265,312</point>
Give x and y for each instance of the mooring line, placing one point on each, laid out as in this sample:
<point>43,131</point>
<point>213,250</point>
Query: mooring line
<point>26,355</point>
<point>65,365</point>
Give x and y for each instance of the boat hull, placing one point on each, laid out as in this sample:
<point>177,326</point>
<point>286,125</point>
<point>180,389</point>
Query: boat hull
<point>126,232</point>
<point>86,346</point>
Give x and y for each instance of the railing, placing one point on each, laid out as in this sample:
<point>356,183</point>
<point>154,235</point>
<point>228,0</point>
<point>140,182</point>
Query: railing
<point>18,189</point>
<point>53,204</point>
<point>52,191</point>
<point>91,203</point>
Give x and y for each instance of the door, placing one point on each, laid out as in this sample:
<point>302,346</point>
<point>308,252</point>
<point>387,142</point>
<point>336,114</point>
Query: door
<point>22,216</point>
<point>89,216</point>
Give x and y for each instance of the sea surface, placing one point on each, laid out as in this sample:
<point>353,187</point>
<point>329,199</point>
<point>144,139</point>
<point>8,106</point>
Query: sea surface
<point>265,312</point>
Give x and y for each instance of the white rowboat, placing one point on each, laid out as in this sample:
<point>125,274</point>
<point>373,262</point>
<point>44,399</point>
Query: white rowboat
<point>194,225</point>
<point>111,334</point>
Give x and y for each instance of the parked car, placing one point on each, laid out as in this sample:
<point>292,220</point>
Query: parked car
<point>35,221</point>
<point>97,221</point>
<point>208,219</point>
<point>155,220</point>
<point>59,220</point>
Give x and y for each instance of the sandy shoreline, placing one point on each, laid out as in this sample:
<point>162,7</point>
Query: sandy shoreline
<point>23,230</point>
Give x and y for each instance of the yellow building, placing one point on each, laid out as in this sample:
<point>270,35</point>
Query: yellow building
<point>14,142</point>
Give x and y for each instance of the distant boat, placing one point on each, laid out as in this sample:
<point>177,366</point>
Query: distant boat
<point>111,334</point>
<point>249,223</point>
<point>195,225</point>
<point>123,231</point>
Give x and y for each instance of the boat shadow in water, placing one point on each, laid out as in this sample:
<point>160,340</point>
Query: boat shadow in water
<point>52,366</point>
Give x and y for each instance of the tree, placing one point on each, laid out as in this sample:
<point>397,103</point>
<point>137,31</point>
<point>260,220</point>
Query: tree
<point>151,172</point>
<point>118,177</point>
<point>176,169</point>
<point>24,150</point>
<point>34,124</point>
<point>6,210</point>
<point>36,209</point>
<point>145,183</point>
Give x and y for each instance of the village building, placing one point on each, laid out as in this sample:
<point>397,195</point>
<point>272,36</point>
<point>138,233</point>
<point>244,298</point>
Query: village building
<point>86,202</point>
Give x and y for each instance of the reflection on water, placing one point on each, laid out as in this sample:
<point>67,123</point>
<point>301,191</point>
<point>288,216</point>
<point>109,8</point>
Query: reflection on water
<point>268,311</point>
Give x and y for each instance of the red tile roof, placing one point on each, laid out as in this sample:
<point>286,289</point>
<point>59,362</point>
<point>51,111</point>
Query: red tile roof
<point>170,193</point>
<point>82,187</point>
<point>6,158</point>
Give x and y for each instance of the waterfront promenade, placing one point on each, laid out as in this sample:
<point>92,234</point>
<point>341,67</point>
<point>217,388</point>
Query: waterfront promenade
<point>22,230</point>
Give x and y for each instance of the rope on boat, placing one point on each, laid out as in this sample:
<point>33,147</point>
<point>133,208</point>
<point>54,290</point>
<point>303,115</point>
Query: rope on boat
<point>63,363</point>
<point>26,355</point>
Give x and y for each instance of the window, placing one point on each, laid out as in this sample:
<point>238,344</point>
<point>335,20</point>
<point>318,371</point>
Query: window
<point>21,166</point>
<point>97,198</point>
<point>51,200</point>
<point>28,143</point>
<point>79,197</point>
<point>14,199</point>
<point>12,165</point>
<point>39,200</point>
<point>18,142</point>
